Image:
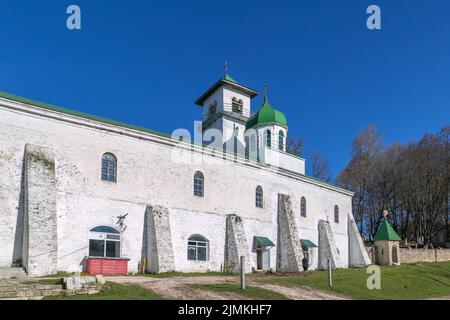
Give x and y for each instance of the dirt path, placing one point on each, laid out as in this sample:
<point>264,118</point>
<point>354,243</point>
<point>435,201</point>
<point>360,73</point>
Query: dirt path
<point>180,288</point>
<point>298,292</point>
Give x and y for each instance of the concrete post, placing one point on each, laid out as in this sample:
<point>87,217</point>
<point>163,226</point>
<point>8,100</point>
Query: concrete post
<point>330,280</point>
<point>243,272</point>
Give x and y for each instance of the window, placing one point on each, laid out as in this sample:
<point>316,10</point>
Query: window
<point>336,214</point>
<point>198,248</point>
<point>259,197</point>
<point>199,182</point>
<point>281,140</point>
<point>303,207</point>
<point>268,139</point>
<point>236,105</point>
<point>109,167</point>
<point>212,108</point>
<point>104,242</point>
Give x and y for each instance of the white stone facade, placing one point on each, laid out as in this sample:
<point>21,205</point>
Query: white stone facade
<point>149,177</point>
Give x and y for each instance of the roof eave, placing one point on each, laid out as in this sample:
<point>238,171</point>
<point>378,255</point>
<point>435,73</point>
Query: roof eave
<point>252,93</point>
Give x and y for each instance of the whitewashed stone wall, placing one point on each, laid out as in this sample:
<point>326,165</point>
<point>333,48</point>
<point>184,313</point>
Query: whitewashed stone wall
<point>148,174</point>
<point>40,245</point>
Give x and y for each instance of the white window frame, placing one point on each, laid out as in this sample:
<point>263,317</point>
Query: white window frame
<point>203,244</point>
<point>93,235</point>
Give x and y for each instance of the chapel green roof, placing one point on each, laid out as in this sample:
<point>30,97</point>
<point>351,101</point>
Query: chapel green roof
<point>386,232</point>
<point>266,115</point>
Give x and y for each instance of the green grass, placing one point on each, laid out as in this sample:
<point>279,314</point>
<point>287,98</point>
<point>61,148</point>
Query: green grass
<point>418,281</point>
<point>250,292</point>
<point>113,291</point>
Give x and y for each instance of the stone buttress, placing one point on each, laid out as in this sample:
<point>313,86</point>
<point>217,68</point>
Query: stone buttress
<point>327,247</point>
<point>159,250</point>
<point>357,253</point>
<point>236,245</point>
<point>40,243</point>
<point>289,250</point>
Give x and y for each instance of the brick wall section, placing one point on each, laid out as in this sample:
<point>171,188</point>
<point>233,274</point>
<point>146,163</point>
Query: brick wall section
<point>418,255</point>
<point>424,255</point>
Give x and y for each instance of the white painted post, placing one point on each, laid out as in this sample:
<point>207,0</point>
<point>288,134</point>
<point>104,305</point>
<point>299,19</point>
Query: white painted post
<point>330,280</point>
<point>243,272</point>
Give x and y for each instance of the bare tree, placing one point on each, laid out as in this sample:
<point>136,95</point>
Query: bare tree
<point>411,181</point>
<point>320,166</point>
<point>357,174</point>
<point>295,146</point>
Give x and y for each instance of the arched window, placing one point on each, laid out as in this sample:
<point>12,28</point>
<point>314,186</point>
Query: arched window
<point>237,105</point>
<point>259,197</point>
<point>336,214</point>
<point>104,242</point>
<point>268,139</point>
<point>198,248</point>
<point>303,207</point>
<point>199,184</point>
<point>109,167</point>
<point>247,147</point>
<point>281,140</point>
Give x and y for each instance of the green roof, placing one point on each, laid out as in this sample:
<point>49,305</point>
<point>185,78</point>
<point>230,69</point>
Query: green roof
<point>307,244</point>
<point>47,106</point>
<point>265,242</point>
<point>266,115</point>
<point>228,78</point>
<point>386,232</point>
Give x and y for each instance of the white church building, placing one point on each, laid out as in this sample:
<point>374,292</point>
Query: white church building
<point>80,193</point>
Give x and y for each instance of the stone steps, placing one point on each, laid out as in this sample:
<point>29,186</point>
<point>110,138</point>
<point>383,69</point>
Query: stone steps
<point>8,273</point>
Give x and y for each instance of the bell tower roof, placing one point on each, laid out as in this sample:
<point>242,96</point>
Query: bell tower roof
<point>227,80</point>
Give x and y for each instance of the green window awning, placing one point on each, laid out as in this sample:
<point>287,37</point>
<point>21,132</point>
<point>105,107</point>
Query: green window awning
<point>306,244</point>
<point>264,242</point>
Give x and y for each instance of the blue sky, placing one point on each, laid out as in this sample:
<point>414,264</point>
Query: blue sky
<point>145,62</point>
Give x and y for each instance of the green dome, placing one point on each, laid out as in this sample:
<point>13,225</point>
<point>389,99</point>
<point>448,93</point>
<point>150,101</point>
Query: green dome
<point>266,115</point>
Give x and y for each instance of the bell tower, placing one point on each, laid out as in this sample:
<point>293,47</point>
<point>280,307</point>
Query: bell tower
<point>226,107</point>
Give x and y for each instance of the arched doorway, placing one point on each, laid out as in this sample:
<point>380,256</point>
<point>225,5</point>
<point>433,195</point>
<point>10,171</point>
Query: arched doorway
<point>394,254</point>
